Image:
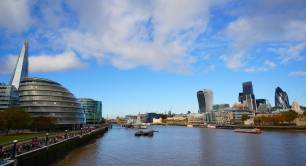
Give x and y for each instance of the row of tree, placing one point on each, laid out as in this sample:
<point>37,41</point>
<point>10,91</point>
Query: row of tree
<point>276,119</point>
<point>17,119</point>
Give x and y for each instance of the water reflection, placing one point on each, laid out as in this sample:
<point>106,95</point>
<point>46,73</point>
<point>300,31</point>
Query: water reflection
<point>191,146</point>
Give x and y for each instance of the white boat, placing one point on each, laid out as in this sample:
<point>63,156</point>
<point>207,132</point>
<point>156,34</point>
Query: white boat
<point>190,125</point>
<point>211,126</point>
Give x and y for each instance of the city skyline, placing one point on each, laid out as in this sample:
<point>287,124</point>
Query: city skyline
<point>148,61</point>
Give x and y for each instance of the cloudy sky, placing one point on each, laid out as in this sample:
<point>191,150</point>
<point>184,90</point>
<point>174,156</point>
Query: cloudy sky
<point>141,56</point>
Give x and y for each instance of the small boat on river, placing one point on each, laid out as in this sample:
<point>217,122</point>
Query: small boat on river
<point>248,131</point>
<point>148,133</point>
<point>211,126</point>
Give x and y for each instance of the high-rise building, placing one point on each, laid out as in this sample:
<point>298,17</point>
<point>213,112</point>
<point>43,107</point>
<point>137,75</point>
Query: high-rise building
<point>92,110</point>
<point>205,100</point>
<point>281,99</point>
<point>45,98</point>
<point>263,105</point>
<point>8,96</point>
<point>247,97</point>
<point>247,88</point>
<point>22,67</point>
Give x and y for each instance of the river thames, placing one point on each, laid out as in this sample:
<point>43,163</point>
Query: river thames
<point>181,146</point>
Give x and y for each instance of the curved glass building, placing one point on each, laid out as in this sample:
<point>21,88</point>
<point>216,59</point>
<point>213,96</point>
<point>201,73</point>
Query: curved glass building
<point>42,97</point>
<point>92,109</point>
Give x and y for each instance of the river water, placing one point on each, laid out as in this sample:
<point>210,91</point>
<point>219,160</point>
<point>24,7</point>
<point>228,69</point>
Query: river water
<point>181,146</point>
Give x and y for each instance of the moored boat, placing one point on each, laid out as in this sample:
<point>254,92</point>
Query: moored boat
<point>148,133</point>
<point>248,131</point>
<point>190,125</point>
<point>211,126</point>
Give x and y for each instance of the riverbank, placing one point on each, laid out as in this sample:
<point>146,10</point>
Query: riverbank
<point>51,153</point>
<point>299,128</point>
<point>293,128</point>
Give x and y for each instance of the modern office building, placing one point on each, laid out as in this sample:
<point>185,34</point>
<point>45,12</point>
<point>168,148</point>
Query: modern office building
<point>263,105</point>
<point>247,97</point>
<point>8,96</point>
<point>92,109</point>
<point>205,100</point>
<point>22,66</point>
<point>9,93</point>
<point>45,98</point>
<point>220,107</point>
<point>281,99</point>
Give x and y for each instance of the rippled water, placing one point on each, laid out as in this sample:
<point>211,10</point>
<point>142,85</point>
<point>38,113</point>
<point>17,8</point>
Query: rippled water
<point>191,146</point>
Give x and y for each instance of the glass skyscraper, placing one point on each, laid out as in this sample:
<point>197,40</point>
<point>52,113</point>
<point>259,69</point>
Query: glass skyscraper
<point>22,66</point>
<point>281,99</point>
<point>247,96</point>
<point>205,100</point>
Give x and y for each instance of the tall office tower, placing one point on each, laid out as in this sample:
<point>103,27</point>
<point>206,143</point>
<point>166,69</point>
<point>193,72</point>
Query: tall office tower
<point>281,99</point>
<point>247,88</point>
<point>205,100</point>
<point>22,66</point>
<point>247,97</point>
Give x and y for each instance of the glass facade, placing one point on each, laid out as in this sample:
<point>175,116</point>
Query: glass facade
<point>8,96</point>
<point>42,97</point>
<point>92,109</point>
<point>22,66</point>
<point>205,100</point>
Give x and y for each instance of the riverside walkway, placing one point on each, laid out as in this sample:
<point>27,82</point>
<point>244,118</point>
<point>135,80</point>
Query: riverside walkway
<point>9,152</point>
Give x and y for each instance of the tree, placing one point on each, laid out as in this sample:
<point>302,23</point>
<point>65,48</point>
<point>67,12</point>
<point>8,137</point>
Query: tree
<point>15,118</point>
<point>43,122</point>
<point>289,116</point>
<point>244,117</point>
<point>304,113</point>
<point>2,121</point>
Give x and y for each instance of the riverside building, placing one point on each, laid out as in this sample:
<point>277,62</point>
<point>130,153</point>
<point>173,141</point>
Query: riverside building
<point>8,96</point>
<point>45,98</point>
<point>92,109</point>
<point>40,97</point>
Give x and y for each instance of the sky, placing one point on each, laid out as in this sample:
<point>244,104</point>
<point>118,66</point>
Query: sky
<point>153,56</point>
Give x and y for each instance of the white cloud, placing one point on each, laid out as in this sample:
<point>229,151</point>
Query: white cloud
<point>44,63</point>
<point>298,74</point>
<point>156,34</point>
<point>262,22</point>
<point>49,63</point>
<point>291,53</point>
<point>15,15</point>
<point>7,64</point>
<point>270,64</point>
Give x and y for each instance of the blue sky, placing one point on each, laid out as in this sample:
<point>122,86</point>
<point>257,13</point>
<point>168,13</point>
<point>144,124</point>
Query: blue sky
<point>144,56</point>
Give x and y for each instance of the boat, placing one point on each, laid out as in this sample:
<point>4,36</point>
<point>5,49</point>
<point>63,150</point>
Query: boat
<point>190,125</point>
<point>248,131</point>
<point>140,126</point>
<point>211,126</point>
<point>148,133</point>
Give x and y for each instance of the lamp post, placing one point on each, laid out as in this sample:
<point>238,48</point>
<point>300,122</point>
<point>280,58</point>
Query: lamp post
<point>14,149</point>
<point>66,134</point>
<point>47,138</point>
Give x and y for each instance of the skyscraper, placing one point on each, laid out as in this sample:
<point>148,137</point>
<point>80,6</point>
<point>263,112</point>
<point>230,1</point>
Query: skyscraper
<point>247,96</point>
<point>247,88</point>
<point>281,99</point>
<point>205,100</point>
<point>22,67</point>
